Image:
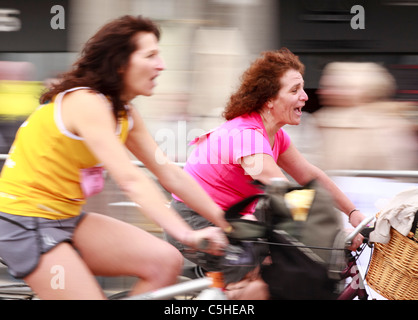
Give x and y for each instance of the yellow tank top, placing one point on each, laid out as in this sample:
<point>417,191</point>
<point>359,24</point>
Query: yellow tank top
<point>49,171</point>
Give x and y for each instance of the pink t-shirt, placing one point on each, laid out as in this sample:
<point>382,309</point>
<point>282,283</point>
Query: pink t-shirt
<point>215,162</point>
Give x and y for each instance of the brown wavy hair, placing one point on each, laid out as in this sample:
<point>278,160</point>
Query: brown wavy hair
<point>261,82</point>
<point>102,57</point>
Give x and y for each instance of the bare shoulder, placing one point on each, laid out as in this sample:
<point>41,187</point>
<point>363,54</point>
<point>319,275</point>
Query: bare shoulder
<point>81,98</point>
<point>85,106</point>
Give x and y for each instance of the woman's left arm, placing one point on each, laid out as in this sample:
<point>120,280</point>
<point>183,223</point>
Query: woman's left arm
<point>171,177</point>
<point>296,165</point>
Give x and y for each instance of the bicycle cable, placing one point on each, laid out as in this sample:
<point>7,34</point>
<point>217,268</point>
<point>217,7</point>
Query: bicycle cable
<point>292,245</point>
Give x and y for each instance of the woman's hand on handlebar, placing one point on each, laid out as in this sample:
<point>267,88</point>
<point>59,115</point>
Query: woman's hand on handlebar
<point>356,242</point>
<point>211,240</point>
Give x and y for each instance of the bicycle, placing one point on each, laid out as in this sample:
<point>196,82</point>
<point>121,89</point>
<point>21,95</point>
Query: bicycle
<point>202,288</point>
<point>256,234</point>
<point>13,289</point>
<point>207,287</point>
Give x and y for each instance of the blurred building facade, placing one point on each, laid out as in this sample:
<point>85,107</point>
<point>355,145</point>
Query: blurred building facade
<point>207,44</point>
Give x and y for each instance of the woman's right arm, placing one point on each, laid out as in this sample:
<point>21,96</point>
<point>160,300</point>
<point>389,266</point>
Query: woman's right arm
<point>170,176</point>
<point>88,115</point>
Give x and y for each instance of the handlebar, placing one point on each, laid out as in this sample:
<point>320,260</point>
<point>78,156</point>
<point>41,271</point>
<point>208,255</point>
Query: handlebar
<point>358,229</point>
<point>278,186</point>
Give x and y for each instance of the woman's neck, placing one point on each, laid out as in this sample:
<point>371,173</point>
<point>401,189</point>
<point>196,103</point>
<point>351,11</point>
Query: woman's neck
<point>270,124</point>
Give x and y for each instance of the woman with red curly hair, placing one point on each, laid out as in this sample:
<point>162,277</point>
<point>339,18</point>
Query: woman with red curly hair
<point>252,145</point>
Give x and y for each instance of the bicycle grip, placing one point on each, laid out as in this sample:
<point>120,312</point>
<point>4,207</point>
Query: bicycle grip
<point>358,229</point>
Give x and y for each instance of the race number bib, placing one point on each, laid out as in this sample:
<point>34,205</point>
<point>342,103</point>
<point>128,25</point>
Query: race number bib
<point>92,181</point>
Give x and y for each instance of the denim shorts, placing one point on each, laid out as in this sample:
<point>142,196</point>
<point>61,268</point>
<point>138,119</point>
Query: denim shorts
<point>23,240</point>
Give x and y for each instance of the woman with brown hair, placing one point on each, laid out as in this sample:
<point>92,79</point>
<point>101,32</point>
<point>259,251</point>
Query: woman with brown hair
<point>252,145</point>
<point>57,161</point>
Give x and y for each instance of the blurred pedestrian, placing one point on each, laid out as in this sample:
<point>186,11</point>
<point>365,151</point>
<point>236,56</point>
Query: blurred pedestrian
<point>361,126</point>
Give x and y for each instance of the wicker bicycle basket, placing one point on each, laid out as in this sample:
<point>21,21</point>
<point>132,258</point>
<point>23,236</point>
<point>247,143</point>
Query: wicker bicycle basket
<point>393,271</point>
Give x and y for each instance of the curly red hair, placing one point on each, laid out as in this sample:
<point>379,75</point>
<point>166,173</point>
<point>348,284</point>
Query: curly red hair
<point>261,82</point>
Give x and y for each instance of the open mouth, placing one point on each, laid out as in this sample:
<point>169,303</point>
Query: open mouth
<point>153,80</point>
<point>298,111</point>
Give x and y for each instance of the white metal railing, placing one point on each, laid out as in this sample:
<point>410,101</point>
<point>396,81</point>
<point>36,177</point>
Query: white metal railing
<point>351,173</point>
<point>375,173</point>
